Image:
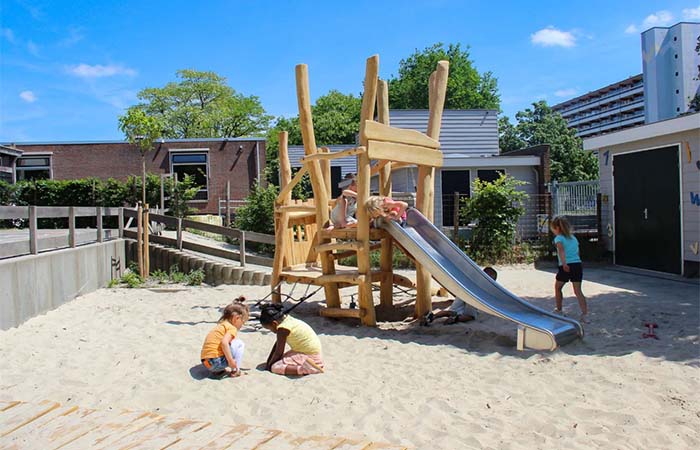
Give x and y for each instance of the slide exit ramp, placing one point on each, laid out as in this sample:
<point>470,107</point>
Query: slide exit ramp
<point>537,329</point>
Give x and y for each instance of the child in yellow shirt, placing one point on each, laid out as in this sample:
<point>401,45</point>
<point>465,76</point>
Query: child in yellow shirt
<point>304,356</point>
<point>222,351</point>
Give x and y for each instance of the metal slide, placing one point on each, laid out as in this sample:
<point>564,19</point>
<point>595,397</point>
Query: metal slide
<point>537,329</point>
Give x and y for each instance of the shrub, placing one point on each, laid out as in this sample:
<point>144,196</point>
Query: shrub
<point>175,275</point>
<point>258,214</point>
<point>195,277</point>
<point>399,260</point>
<point>132,279</point>
<point>495,208</point>
<point>160,275</point>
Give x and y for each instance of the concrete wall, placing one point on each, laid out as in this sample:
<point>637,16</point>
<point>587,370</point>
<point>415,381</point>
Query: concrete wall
<point>35,284</point>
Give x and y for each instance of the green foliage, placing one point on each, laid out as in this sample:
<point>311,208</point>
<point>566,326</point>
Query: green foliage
<point>541,125</point>
<point>259,211</point>
<point>175,275</point>
<point>202,105</point>
<point>195,277</point>
<point>466,88</point>
<point>114,282</point>
<point>96,192</point>
<point>132,279</point>
<point>399,260</point>
<point>160,275</point>
<point>496,208</point>
<point>336,121</point>
<point>140,129</point>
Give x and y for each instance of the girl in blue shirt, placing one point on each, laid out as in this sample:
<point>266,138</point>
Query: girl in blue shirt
<point>570,268</point>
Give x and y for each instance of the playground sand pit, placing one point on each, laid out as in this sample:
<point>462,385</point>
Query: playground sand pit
<point>447,387</point>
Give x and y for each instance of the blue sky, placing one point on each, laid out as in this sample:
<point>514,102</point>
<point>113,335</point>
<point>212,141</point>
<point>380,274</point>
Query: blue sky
<point>69,68</point>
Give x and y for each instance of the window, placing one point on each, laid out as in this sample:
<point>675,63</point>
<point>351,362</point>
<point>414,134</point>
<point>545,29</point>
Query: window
<point>33,168</point>
<point>453,181</point>
<point>489,175</point>
<point>193,164</point>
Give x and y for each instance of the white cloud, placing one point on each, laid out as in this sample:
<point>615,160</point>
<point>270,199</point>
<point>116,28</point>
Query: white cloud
<point>74,36</point>
<point>658,19</point>
<point>551,37</point>
<point>632,29</point>
<point>33,48</point>
<point>8,34</point>
<point>691,13</point>
<point>565,92</point>
<point>28,96</point>
<point>100,71</point>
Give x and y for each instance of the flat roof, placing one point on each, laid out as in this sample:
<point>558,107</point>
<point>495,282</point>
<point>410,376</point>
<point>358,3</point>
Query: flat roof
<point>452,160</point>
<point>669,126</point>
<point>236,139</point>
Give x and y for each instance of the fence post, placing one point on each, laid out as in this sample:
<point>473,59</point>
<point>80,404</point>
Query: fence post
<point>146,246</point>
<point>120,221</point>
<point>599,218</point>
<point>228,203</point>
<point>100,232</point>
<point>33,244</point>
<point>139,238</point>
<point>162,194</point>
<point>71,226</point>
<point>455,218</point>
<point>179,234</point>
<point>241,241</point>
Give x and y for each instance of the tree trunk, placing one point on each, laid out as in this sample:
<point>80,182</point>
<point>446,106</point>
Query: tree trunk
<point>143,179</point>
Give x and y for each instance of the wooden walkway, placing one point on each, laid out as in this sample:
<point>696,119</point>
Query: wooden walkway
<point>48,425</point>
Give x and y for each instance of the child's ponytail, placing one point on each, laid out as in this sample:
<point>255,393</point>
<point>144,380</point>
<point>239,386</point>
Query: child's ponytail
<point>271,312</point>
<point>237,307</point>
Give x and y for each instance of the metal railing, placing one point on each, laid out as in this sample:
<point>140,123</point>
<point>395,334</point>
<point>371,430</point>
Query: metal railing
<point>577,198</point>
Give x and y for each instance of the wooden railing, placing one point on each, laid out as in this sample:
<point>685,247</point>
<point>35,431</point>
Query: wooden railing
<point>33,213</point>
<point>180,225</point>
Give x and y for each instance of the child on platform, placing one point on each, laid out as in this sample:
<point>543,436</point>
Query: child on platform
<point>304,356</point>
<point>343,214</point>
<point>385,207</point>
<point>458,311</point>
<point>570,267</point>
<point>222,351</point>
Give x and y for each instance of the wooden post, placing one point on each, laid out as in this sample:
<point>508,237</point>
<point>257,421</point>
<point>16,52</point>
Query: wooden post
<point>162,194</point>
<point>71,226</point>
<point>139,238</point>
<point>383,117</point>
<point>120,222</point>
<point>369,99</point>
<point>425,194</point>
<point>33,242</point>
<point>326,171</point>
<point>282,219</point>
<point>241,247</point>
<point>179,234</point>
<point>100,231</point>
<point>228,203</point>
<point>146,252</point>
<point>321,196</point>
<point>455,219</point>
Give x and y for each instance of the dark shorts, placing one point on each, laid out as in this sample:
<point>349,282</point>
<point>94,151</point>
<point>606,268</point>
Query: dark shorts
<point>575,273</point>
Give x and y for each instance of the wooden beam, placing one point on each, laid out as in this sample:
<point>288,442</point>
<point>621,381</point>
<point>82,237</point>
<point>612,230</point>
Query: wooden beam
<point>337,246</point>
<point>349,253</point>
<point>383,118</point>
<point>296,208</point>
<point>281,225</point>
<point>363,236</point>
<point>379,132</point>
<point>333,155</point>
<point>339,313</point>
<point>369,96</point>
<point>33,237</point>
<point>326,170</point>
<point>285,166</point>
<point>378,169</point>
<point>412,154</point>
<point>286,191</point>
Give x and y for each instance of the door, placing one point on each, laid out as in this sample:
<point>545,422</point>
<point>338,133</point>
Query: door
<point>647,210</point>
<point>335,179</point>
<point>453,181</point>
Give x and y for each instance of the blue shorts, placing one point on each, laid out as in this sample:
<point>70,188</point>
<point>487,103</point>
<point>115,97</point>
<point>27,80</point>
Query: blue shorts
<point>215,364</point>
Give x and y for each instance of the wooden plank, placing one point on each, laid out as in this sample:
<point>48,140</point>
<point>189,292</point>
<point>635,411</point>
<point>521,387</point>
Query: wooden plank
<point>110,427</point>
<point>33,244</point>
<point>326,169</point>
<point>241,248</point>
<point>178,234</point>
<point>286,191</point>
<point>60,427</point>
<point>339,313</point>
<point>285,166</point>
<point>14,212</point>
<point>209,228</point>
<point>130,212</point>
<point>120,220</point>
<point>261,238</point>
<point>52,212</point>
<point>281,235</point>
<point>337,246</point>
<point>6,405</point>
<point>369,96</point>
<point>100,231</point>
<point>23,414</point>
<point>333,155</point>
<point>386,265</point>
<point>204,438</point>
<point>242,437</point>
<point>84,211</point>
<point>383,117</point>
<point>375,131</point>
<point>71,227</point>
<point>158,434</point>
<point>297,208</point>
<point>111,211</point>
<point>167,220</point>
<point>412,154</point>
<point>351,233</point>
<point>379,167</point>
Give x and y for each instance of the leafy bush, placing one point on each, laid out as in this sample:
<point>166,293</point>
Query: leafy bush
<point>495,208</point>
<point>258,214</point>
<point>399,260</point>
<point>176,276</point>
<point>132,279</point>
<point>160,275</point>
<point>195,277</point>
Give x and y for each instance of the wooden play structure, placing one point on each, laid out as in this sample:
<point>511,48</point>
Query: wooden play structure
<point>305,251</point>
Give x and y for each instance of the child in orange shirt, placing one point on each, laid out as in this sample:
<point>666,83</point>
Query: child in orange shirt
<point>222,351</point>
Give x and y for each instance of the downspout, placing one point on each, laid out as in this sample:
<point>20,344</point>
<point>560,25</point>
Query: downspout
<point>257,159</point>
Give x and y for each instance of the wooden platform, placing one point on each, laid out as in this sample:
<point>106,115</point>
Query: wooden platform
<point>48,425</point>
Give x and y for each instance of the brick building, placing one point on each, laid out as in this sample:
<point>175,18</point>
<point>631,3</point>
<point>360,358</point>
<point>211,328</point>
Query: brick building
<point>212,162</point>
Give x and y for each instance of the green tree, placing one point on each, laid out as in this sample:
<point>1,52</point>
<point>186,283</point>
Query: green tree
<point>540,125</point>
<point>202,105</point>
<point>336,121</point>
<point>141,130</point>
<point>466,88</point>
<point>496,208</point>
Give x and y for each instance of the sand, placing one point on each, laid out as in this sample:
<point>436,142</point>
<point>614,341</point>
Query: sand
<point>441,387</point>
